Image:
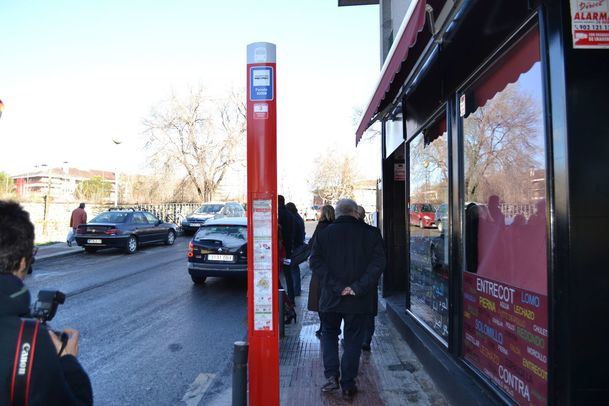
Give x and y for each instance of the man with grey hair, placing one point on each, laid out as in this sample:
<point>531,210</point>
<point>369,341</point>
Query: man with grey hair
<point>348,258</point>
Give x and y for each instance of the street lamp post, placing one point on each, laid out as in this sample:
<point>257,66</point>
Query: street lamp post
<point>117,142</point>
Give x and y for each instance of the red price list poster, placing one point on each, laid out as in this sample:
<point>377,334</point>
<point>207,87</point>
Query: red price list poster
<point>505,335</point>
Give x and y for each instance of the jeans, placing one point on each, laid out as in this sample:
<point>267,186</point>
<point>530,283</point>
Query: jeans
<point>369,330</point>
<point>355,328</point>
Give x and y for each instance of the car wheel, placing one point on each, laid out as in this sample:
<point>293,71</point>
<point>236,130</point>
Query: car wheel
<point>420,223</point>
<point>171,238</point>
<point>198,280</point>
<point>131,245</point>
<point>91,250</point>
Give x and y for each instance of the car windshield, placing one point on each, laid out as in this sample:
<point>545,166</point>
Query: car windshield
<point>427,207</point>
<point>209,208</point>
<point>111,217</point>
<point>228,234</point>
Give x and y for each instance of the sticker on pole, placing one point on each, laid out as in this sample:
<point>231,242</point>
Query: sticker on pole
<point>261,111</point>
<point>262,217</point>
<point>261,83</point>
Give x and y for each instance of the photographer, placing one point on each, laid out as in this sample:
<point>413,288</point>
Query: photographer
<point>45,372</point>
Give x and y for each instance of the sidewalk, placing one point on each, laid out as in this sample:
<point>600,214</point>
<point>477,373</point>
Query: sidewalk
<point>389,375</point>
<point>59,249</point>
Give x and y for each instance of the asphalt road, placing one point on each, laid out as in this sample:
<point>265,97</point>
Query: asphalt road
<point>148,335</point>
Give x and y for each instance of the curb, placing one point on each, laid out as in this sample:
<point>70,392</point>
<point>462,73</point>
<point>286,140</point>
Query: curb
<point>59,254</point>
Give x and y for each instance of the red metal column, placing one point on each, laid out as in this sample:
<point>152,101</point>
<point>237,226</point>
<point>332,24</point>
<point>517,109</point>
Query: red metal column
<point>263,267</point>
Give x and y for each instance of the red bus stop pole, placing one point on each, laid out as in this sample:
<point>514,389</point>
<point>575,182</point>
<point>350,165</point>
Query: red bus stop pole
<point>263,266</point>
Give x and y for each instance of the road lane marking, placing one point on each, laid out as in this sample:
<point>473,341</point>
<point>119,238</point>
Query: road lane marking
<point>197,389</point>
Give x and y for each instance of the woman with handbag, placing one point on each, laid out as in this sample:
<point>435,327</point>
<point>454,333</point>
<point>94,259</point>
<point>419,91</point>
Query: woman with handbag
<point>325,219</point>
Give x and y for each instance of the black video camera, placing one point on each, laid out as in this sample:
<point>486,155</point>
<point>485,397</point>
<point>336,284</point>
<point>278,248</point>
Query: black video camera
<point>45,307</point>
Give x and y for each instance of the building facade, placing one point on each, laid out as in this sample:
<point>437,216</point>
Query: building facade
<point>497,258</point>
<point>59,183</point>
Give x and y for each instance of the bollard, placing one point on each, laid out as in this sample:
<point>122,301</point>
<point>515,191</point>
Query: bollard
<point>281,319</point>
<point>240,374</point>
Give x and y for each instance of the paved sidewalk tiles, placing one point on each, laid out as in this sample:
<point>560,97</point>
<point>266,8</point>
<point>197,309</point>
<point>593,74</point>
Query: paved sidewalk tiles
<point>389,375</point>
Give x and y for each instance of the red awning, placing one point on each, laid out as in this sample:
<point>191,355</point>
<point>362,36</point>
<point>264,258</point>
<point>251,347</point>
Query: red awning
<point>414,21</point>
<point>517,61</point>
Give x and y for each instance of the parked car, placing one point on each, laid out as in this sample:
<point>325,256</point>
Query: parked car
<point>207,211</point>
<point>422,215</point>
<point>125,229</point>
<point>312,213</point>
<point>219,248</point>
<point>441,217</point>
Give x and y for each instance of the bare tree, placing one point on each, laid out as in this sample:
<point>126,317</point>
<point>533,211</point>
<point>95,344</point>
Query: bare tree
<point>334,177</point>
<point>371,133</point>
<point>503,143</point>
<point>199,136</point>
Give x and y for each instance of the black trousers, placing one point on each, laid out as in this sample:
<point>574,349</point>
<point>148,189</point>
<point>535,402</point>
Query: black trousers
<point>355,329</point>
<point>289,281</point>
<point>369,330</point>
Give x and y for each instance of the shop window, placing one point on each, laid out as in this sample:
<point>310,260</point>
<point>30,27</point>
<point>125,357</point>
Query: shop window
<point>428,224</point>
<point>505,318</point>
<point>394,131</point>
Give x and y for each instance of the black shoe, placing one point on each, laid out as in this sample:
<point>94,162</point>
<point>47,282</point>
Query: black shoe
<point>349,394</point>
<point>366,347</point>
<point>330,385</point>
<point>69,243</point>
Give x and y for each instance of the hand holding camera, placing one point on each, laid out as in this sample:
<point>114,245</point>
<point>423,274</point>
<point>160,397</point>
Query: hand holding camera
<point>45,308</point>
<point>65,342</point>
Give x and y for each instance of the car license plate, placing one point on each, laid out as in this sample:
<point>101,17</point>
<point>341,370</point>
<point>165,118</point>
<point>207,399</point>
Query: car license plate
<point>94,241</point>
<point>216,257</point>
<point>194,224</point>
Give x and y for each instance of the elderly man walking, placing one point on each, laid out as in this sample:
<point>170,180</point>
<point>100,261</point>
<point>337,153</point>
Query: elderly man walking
<point>348,258</point>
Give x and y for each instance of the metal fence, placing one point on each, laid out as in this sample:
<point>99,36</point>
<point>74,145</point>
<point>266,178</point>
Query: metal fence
<point>169,212</point>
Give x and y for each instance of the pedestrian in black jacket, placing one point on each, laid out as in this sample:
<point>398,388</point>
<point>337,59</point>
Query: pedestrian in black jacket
<point>54,379</point>
<point>326,218</point>
<point>287,223</point>
<point>370,325</point>
<point>348,258</point>
<point>299,241</point>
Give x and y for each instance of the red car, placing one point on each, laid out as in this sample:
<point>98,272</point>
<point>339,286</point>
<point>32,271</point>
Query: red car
<point>422,215</point>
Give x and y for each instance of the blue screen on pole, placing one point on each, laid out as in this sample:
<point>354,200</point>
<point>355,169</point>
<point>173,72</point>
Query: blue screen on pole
<point>261,83</point>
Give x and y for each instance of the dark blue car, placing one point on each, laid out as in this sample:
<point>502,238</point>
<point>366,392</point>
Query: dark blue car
<point>124,229</point>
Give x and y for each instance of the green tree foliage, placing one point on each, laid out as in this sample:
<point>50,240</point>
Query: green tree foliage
<point>95,190</point>
<point>7,186</point>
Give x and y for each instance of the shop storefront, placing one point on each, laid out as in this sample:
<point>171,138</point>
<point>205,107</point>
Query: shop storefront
<point>496,241</point>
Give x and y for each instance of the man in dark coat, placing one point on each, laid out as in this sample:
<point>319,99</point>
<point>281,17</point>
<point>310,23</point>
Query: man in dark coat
<point>55,379</point>
<point>348,258</point>
<point>299,241</point>
<point>361,212</point>
<point>287,223</point>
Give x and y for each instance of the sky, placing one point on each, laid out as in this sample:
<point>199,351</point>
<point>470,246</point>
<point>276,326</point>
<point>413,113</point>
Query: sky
<point>74,75</point>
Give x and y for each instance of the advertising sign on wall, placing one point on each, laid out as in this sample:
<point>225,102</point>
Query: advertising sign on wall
<point>590,23</point>
<point>505,335</point>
